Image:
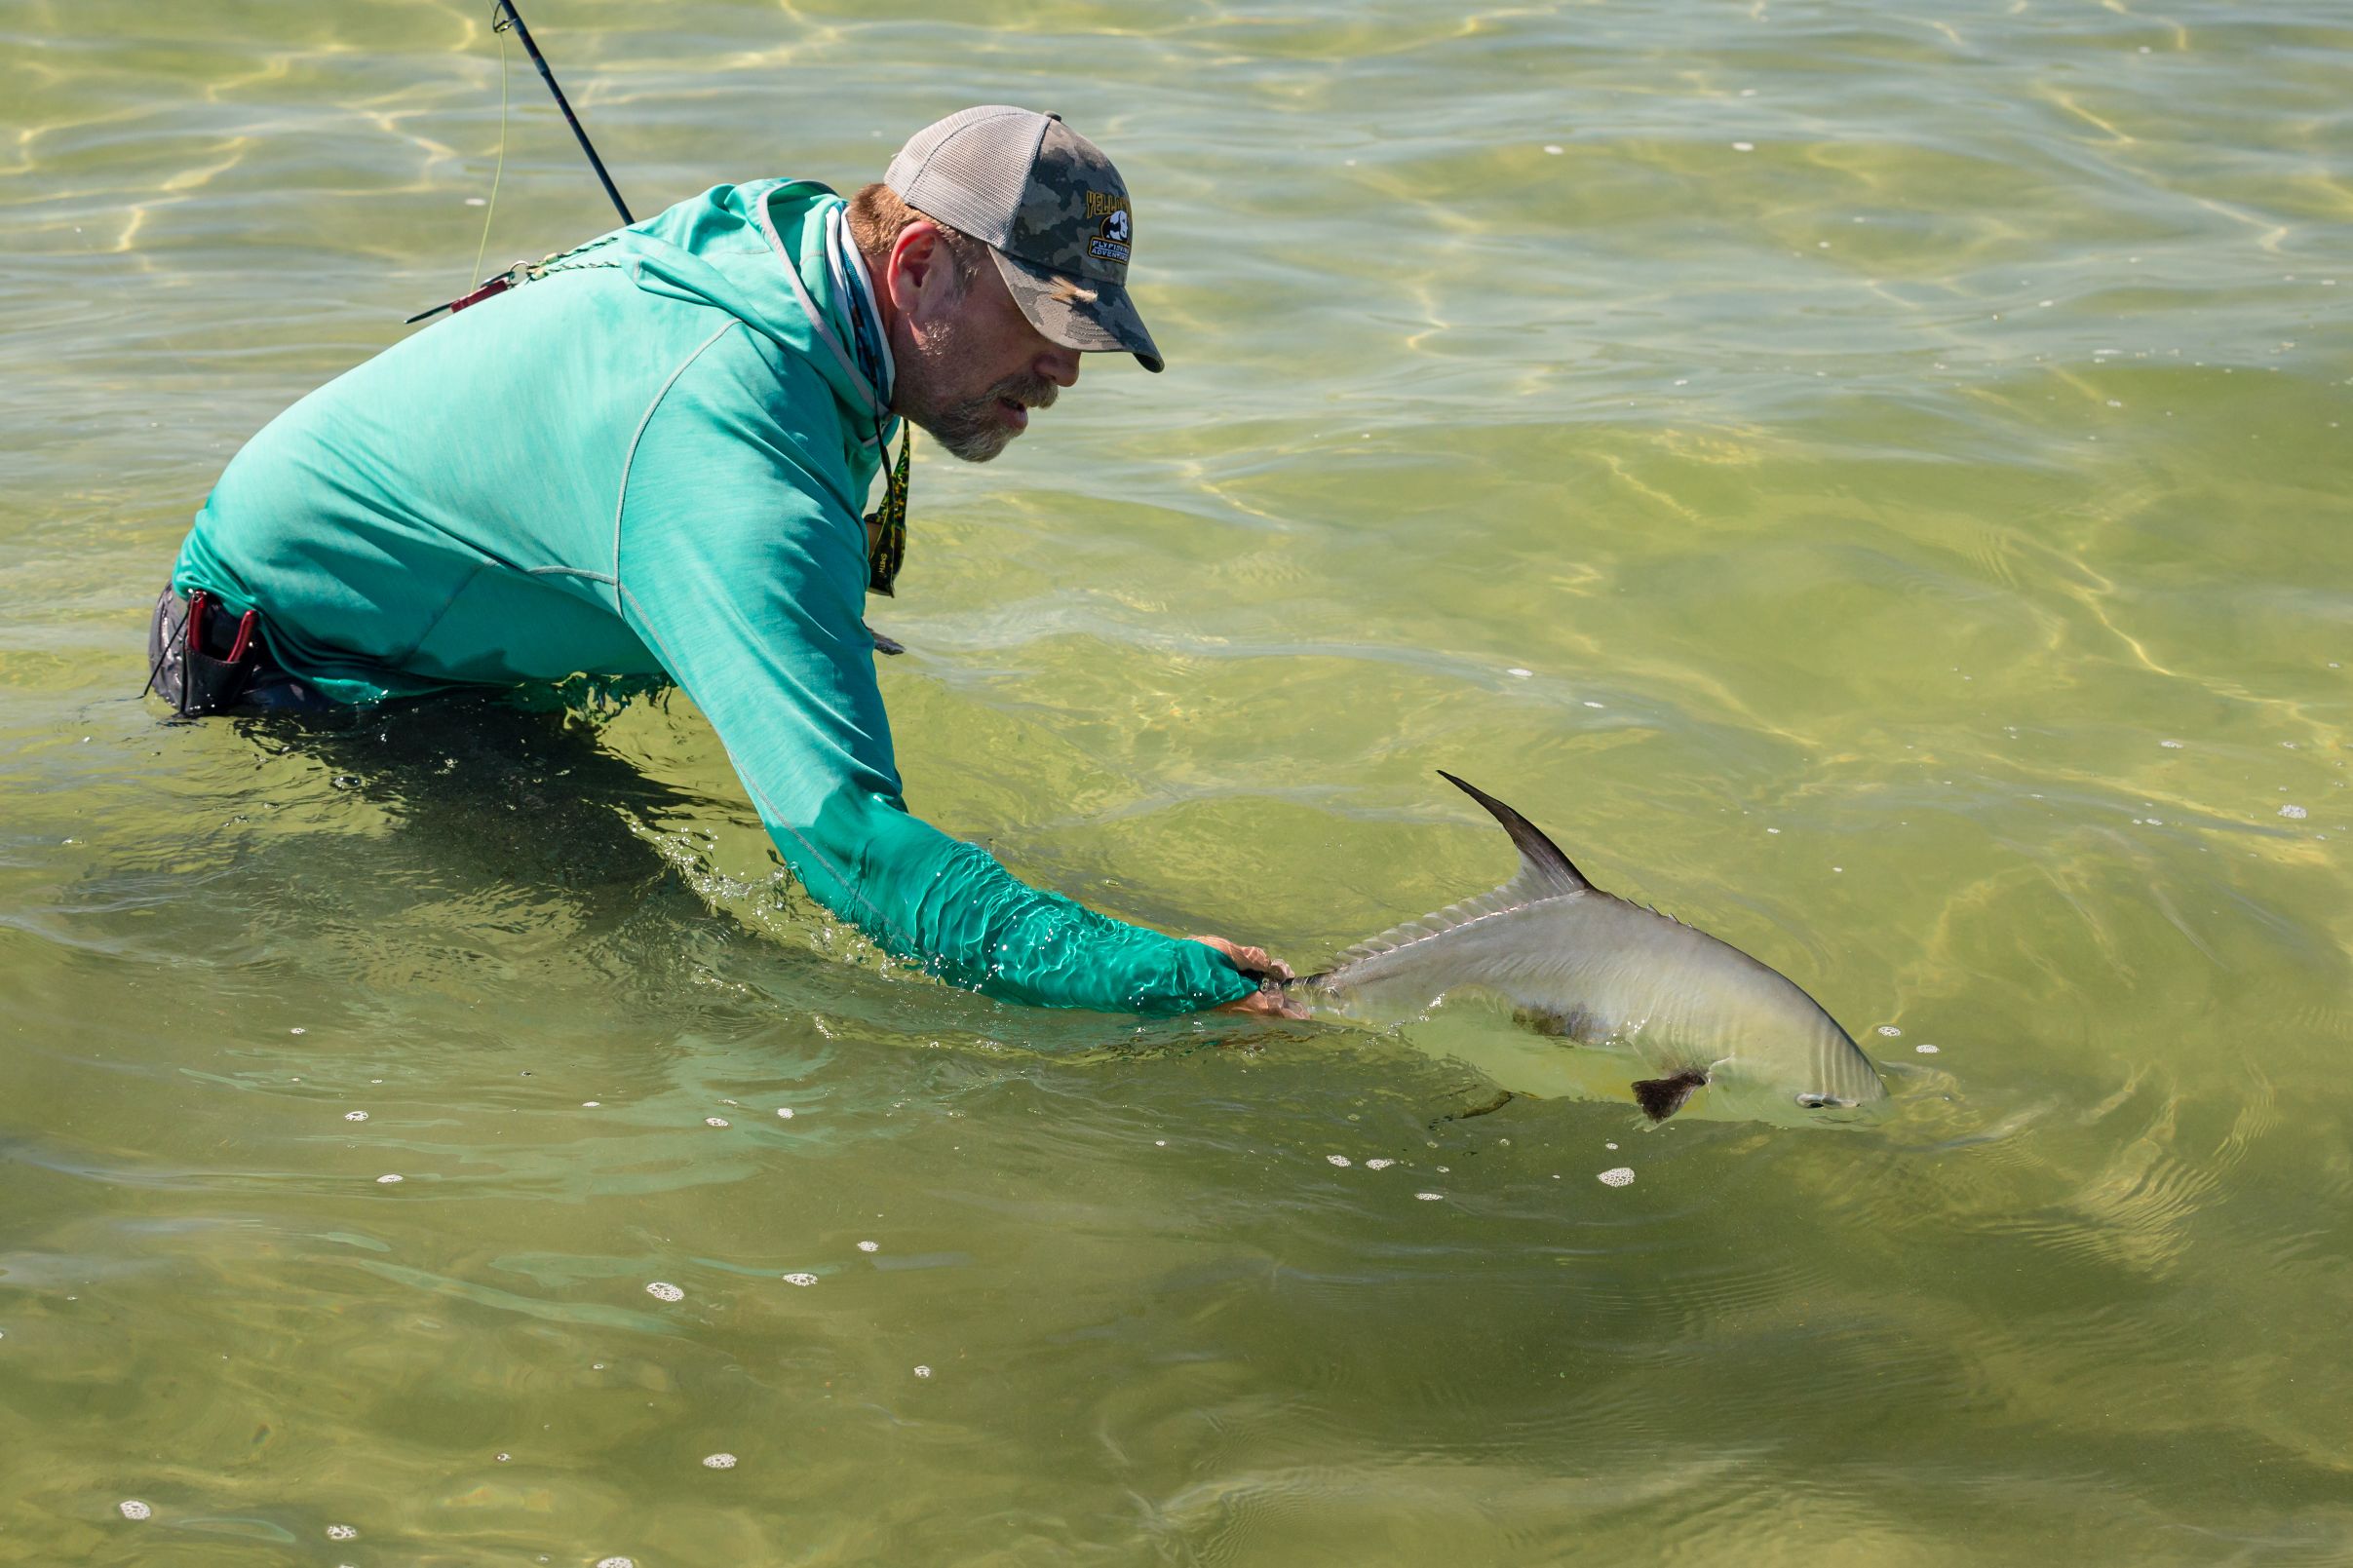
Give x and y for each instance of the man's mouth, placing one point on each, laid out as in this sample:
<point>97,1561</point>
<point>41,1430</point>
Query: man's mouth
<point>1016,414</point>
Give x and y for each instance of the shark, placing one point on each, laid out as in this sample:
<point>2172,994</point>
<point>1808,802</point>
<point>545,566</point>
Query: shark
<point>1590,968</point>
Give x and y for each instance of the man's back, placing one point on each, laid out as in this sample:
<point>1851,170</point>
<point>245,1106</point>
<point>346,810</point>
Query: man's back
<point>450,511</point>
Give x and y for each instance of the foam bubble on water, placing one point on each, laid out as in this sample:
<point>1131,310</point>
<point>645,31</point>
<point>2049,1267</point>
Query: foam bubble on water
<point>719,1462</point>
<point>870,1247</point>
<point>714,1121</point>
<point>1553,148</point>
<point>800,1279</point>
<point>388,1181</point>
<point>590,1105</point>
<point>1925,1051</point>
<point>1378,1164</point>
<point>478,200</point>
<point>130,1507</point>
<point>341,1532</point>
<point>502,1458</point>
<point>923,1371</point>
<point>615,1562</point>
<point>664,1290</point>
<point>1744,147</point>
<point>1518,673</point>
<point>785,1111</point>
<point>1429,1198</point>
<point>1445,1170</point>
<point>1890,1030</point>
<point>297,1031</point>
<point>1338,1159</point>
<point>1589,703</point>
<point>2294,814</point>
<point>1160,1143</point>
<point>1617,1175</point>
<point>1608,1145</point>
<point>355,1115</point>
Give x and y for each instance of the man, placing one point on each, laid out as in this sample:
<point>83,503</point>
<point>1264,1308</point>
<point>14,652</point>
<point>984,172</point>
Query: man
<point>648,459</point>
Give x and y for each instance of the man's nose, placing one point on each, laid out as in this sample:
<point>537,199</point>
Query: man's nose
<point>1059,365</point>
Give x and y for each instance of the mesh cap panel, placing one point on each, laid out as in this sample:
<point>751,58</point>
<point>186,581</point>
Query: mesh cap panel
<point>970,169</point>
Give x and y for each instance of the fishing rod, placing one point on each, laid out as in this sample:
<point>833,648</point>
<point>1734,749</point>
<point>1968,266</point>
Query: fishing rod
<point>504,17</point>
<point>514,20</point>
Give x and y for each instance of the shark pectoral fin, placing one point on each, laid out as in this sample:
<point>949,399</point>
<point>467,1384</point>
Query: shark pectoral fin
<point>1661,1098</point>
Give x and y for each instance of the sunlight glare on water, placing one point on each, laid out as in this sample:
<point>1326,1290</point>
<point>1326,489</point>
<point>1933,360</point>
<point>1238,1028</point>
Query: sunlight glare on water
<point>1872,484</point>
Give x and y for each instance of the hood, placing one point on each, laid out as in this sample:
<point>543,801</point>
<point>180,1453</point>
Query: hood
<point>729,247</point>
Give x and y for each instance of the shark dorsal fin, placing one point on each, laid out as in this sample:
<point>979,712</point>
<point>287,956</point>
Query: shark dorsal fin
<point>1544,873</point>
<point>1543,868</point>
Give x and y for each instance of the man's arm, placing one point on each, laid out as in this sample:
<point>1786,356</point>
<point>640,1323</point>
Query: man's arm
<point>740,562</point>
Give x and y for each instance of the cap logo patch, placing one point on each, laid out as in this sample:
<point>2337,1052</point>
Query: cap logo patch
<point>1116,234</point>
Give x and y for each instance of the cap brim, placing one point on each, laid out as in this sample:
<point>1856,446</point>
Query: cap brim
<point>1078,312</point>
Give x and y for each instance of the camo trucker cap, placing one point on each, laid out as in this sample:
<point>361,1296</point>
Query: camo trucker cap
<point>1052,209</point>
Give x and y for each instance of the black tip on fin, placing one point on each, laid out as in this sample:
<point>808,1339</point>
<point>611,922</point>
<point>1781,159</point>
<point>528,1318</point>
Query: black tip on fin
<point>1661,1098</point>
<point>1532,845</point>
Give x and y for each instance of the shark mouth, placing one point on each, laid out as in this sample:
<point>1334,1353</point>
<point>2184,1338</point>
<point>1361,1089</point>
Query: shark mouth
<point>1661,1098</point>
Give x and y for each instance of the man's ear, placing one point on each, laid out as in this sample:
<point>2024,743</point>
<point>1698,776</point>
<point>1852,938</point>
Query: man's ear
<point>917,263</point>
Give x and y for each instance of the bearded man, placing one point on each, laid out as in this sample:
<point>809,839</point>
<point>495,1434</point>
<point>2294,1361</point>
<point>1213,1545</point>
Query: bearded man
<point>648,458</point>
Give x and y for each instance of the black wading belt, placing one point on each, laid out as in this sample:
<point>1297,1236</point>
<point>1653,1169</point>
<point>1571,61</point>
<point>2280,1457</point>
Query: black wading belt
<point>200,657</point>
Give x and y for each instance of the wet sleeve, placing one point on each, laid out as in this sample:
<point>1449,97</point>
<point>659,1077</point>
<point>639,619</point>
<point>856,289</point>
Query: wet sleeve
<point>740,560</point>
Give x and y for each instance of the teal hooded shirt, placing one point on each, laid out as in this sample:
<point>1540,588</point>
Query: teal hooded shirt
<point>647,462</point>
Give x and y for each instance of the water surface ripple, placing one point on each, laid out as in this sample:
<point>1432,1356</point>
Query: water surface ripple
<point>1870,483</point>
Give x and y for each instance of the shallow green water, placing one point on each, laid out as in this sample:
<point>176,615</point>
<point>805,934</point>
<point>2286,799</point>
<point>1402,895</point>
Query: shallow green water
<point>1872,484</point>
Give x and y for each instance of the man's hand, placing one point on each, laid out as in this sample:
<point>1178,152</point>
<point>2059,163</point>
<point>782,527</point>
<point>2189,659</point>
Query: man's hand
<point>1268,1001</point>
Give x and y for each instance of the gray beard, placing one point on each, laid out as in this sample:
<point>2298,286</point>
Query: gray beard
<point>969,427</point>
